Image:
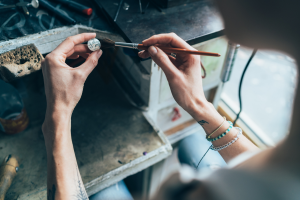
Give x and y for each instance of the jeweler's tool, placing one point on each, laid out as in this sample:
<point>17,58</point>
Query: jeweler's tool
<point>24,7</point>
<point>8,171</point>
<point>119,8</point>
<point>146,7</point>
<point>34,3</point>
<point>77,6</point>
<point>106,43</point>
<point>140,4</point>
<point>49,7</point>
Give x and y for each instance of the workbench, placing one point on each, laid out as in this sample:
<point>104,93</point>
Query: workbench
<point>112,138</point>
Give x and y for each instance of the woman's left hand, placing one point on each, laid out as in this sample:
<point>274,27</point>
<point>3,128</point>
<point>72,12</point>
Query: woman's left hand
<point>64,84</point>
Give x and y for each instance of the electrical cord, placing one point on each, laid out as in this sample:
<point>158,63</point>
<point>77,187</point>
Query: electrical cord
<point>240,97</point>
<point>240,85</point>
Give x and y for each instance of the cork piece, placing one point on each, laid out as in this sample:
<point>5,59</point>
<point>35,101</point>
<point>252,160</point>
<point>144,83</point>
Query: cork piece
<point>20,62</point>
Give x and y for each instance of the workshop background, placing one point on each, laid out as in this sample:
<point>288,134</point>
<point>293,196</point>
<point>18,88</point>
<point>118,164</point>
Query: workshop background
<point>127,124</point>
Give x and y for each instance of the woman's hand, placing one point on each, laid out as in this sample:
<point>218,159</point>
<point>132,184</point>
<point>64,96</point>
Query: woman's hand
<point>64,84</point>
<point>63,87</point>
<point>183,72</point>
<point>184,77</point>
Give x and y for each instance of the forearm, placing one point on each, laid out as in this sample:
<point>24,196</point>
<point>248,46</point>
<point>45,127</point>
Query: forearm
<point>63,177</point>
<point>210,119</point>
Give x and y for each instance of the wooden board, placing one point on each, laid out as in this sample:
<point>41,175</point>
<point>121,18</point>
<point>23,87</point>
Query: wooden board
<point>109,137</point>
<point>180,127</point>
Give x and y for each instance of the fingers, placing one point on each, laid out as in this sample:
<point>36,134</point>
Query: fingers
<point>90,63</point>
<point>80,48</point>
<point>162,60</point>
<point>85,55</point>
<point>66,46</point>
<point>76,55</point>
<point>144,54</point>
<point>170,38</point>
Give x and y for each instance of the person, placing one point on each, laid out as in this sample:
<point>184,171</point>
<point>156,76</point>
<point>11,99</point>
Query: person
<point>269,174</point>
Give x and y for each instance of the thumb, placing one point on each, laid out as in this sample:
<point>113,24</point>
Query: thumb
<point>91,62</point>
<point>163,61</point>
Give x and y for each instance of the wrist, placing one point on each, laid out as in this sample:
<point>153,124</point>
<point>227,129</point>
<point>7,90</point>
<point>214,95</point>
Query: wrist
<point>199,109</point>
<point>206,115</point>
<point>56,124</point>
<point>59,109</point>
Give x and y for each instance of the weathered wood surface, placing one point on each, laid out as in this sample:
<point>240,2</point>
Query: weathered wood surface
<point>109,137</point>
<point>45,42</point>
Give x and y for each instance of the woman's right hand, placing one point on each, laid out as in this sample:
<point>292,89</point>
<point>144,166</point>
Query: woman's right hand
<point>184,76</point>
<point>183,72</point>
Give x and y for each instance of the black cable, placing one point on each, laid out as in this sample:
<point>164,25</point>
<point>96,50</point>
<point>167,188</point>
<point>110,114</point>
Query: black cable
<point>203,156</point>
<point>240,85</point>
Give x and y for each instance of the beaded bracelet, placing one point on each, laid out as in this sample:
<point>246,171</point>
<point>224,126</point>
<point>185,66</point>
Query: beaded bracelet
<point>223,134</point>
<point>229,143</point>
<point>217,128</point>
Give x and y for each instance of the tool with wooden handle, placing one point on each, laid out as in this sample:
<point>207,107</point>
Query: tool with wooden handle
<point>107,43</point>
<point>8,171</point>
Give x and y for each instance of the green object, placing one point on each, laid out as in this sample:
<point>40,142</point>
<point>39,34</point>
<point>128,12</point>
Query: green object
<point>222,135</point>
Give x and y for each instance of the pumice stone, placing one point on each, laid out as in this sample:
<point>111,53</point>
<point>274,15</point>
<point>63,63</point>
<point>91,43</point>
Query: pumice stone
<point>94,44</point>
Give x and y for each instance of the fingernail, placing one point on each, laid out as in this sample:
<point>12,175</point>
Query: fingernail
<point>152,50</point>
<point>99,53</point>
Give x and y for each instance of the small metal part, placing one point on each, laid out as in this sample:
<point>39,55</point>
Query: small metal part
<point>94,44</point>
<point>35,3</point>
<point>146,7</point>
<point>229,61</point>
<point>7,7</point>
<point>24,7</point>
<point>119,8</point>
<point>57,12</point>
<point>173,54</point>
<point>126,6</point>
<point>141,9</point>
<point>127,45</point>
<point>17,169</point>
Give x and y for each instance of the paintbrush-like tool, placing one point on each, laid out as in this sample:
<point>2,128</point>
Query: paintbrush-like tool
<point>95,44</point>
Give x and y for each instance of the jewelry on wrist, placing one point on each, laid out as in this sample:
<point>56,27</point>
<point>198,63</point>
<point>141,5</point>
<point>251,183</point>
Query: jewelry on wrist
<point>229,143</point>
<point>217,128</point>
<point>222,135</point>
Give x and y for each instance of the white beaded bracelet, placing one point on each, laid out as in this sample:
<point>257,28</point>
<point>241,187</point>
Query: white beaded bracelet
<point>229,143</point>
